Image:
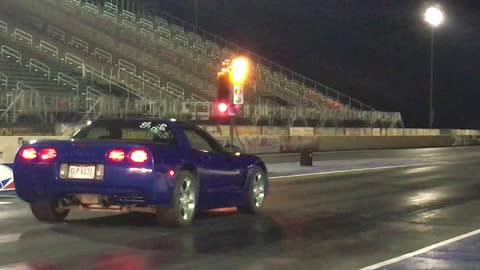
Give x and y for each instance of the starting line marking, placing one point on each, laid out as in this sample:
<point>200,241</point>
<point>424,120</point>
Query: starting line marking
<point>353,170</point>
<point>421,251</point>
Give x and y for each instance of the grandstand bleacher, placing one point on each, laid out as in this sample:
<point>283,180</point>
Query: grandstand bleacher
<point>111,62</point>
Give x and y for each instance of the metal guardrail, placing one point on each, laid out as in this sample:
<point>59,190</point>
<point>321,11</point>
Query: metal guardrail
<point>176,90</point>
<point>76,62</point>
<point>4,80</point>
<point>151,78</point>
<point>78,43</point>
<point>37,65</point>
<point>179,26</point>
<point>64,79</point>
<point>23,36</point>
<point>126,66</point>
<point>3,27</point>
<point>146,24</point>
<point>98,104</point>
<point>8,52</point>
<point>49,48</point>
<point>56,33</point>
<point>92,8</point>
<point>292,87</point>
<point>143,82</point>
<point>111,8</point>
<point>99,53</point>
<point>197,98</point>
<point>11,105</point>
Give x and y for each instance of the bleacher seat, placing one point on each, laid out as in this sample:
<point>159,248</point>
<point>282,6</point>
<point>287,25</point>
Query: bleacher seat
<point>185,62</point>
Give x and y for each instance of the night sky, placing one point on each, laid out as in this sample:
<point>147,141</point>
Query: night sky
<point>377,51</point>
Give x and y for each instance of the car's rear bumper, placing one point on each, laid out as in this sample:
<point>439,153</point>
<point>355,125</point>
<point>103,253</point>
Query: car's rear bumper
<point>40,182</point>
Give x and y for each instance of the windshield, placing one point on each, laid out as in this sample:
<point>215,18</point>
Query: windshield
<point>151,131</point>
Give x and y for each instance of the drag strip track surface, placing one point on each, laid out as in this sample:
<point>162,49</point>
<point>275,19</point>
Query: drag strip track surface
<point>343,221</point>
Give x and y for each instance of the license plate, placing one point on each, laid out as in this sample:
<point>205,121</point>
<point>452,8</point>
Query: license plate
<point>81,172</point>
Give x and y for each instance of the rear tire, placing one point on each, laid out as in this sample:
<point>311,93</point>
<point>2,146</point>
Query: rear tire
<point>257,191</point>
<point>48,211</point>
<point>184,202</point>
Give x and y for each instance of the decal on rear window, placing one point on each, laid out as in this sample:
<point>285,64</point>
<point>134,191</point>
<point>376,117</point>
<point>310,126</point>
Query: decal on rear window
<point>160,130</point>
<point>146,125</point>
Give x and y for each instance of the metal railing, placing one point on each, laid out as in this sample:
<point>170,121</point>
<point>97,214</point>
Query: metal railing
<point>99,105</point>
<point>7,52</point>
<point>126,71</point>
<point>23,36</point>
<point>163,102</point>
<point>3,28</point>
<point>285,78</point>
<point>65,80</point>
<point>178,28</point>
<point>27,100</point>
<point>48,48</point>
<point>228,48</point>
<point>4,81</point>
<point>35,65</point>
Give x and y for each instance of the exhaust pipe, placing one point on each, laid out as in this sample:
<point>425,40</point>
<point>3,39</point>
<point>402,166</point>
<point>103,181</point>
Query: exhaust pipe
<point>70,201</point>
<point>65,202</point>
<point>106,202</point>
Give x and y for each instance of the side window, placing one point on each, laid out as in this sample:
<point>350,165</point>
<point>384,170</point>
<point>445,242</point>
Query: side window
<point>213,143</point>
<point>197,142</point>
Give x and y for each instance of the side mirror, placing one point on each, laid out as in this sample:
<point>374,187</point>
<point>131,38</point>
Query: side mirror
<point>232,148</point>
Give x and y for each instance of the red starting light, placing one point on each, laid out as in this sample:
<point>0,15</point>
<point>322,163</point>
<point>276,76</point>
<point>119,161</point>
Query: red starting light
<point>138,156</point>
<point>171,172</point>
<point>29,153</point>
<point>222,107</point>
<point>48,154</point>
<point>116,155</point>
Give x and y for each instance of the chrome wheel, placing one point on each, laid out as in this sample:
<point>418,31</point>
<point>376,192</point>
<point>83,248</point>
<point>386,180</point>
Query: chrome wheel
<point>259,189</point>
<point>187,199</point>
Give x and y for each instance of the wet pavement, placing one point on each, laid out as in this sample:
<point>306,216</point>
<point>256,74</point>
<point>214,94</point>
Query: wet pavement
<point>463,254</point>
<point>342,221</point>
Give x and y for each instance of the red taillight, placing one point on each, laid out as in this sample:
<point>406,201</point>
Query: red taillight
<point>171,172</point>
<point>29,153</point>
<point>116,155</point>
<point>48,154</point>
<point>138,156</point>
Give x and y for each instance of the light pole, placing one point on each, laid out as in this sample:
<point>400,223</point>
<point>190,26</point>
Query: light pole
<point>434,17</point>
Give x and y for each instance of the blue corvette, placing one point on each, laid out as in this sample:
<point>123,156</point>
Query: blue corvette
<point>170,168</point>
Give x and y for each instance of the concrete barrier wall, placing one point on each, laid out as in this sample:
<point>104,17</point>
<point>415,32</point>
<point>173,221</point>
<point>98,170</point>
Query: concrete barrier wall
<point>276,144</point>
<point>381,142</point>
<point>224,130</point>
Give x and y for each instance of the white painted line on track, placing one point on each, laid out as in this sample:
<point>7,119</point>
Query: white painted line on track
<point>421,251</point>
<point>2,203</point>
<point>8,196</point>
<point>353,170</point>
<point>8,238</point>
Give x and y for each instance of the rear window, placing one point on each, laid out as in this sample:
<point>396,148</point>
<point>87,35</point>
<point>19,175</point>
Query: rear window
<point>128,131</point>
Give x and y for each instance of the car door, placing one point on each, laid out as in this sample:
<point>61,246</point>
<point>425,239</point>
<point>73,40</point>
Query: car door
<point>215,167</point>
